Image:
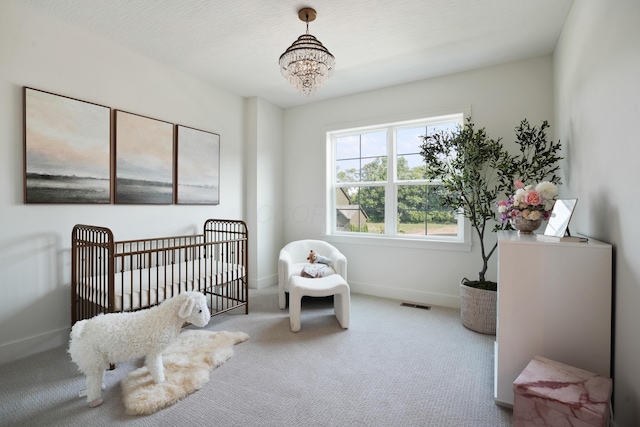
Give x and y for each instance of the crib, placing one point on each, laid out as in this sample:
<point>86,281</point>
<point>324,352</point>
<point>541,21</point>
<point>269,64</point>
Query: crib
<point>109,276</point>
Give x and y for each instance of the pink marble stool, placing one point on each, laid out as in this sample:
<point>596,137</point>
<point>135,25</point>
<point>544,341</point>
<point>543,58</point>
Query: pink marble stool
<point>549,393</point>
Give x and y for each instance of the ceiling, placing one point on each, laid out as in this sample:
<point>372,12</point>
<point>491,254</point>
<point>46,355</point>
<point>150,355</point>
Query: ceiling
<point>235,44</point>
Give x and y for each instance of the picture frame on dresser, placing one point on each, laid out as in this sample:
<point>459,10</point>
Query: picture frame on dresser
<point>67,149</point>
<point>144,151</point>
<point>197,167</point>
<point>558,224</point>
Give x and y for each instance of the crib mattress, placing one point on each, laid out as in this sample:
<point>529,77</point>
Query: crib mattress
<point>142,288</point>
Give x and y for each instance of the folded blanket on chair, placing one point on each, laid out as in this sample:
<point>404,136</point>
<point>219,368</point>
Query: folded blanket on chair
<point>317,270</point>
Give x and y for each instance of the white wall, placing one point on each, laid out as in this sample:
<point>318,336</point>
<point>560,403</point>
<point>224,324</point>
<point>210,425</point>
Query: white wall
<point>35,239</point>
<point>597,104</point>
<point>264,190</point>
<point>499,97</point>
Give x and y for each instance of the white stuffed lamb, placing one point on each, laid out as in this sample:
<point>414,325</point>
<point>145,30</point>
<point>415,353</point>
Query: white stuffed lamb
<point>116,337</point>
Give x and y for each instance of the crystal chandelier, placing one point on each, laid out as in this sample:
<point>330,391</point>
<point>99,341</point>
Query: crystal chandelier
<point>307,64</point>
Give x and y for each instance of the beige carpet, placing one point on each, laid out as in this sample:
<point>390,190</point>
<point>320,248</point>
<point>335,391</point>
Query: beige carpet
<point>395,366</point>
<point>188,362</point>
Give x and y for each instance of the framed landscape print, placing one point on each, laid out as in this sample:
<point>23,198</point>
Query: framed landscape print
<point>67,145</point>
<point>197,166</point>
<point>144,160</point>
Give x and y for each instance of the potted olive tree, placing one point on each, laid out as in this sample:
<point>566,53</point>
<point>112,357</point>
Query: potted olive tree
<point>473,169</point>
<point>465,163</point>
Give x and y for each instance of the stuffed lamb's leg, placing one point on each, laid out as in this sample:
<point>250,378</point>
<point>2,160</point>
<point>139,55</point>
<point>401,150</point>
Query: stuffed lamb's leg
<point>154,364</point>
<point>94,388</point>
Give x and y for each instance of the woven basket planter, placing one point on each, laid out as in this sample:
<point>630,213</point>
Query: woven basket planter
<point>478,309</point>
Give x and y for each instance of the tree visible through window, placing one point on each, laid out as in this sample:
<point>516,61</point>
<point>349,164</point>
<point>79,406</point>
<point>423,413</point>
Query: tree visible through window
<point>379,184</point>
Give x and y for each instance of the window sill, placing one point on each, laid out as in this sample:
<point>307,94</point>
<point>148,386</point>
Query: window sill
<point>399,242</point>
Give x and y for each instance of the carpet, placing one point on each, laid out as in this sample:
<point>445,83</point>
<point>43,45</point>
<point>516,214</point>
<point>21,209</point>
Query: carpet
<point>188,362</point>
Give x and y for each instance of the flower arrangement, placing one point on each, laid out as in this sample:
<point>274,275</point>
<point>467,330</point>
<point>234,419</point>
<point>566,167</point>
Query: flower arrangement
<point>529,202</point>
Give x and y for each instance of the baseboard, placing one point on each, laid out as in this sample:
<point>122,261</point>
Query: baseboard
<point>32,345</point>
<point>408,295</point>
<point>263,282</point>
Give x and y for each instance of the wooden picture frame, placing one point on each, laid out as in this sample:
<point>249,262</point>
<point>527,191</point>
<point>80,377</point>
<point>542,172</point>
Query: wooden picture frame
<point>143,159</point>
<point>197,167</point>
<point>67,149</point>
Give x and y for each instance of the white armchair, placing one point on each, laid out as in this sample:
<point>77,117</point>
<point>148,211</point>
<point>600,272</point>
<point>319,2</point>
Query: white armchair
<point>293,258</point>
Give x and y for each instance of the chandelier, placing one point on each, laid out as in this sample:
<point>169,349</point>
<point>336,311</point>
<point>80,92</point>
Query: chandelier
<point>307,64</point>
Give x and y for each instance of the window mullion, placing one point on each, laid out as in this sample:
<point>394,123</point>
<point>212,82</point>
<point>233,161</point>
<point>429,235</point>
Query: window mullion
<point>391,209</point>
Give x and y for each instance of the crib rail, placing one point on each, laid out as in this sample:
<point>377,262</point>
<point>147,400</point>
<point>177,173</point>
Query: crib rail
<point>110,276</point>
<point>92,251</point>
<point>233,248</point>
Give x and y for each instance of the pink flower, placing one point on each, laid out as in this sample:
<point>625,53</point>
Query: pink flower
<point>518,184</point>
<point>532,198</point>
<point>502,203</point>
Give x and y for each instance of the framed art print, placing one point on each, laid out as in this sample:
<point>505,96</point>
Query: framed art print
<point>144,160</point>
<point>197,166</point>
<point>67,145</point>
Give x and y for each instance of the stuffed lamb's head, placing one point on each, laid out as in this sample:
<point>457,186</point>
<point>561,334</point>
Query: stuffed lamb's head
<point>193,308</point>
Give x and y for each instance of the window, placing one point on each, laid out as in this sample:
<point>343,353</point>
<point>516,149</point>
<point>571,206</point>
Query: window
<point>379,187</point>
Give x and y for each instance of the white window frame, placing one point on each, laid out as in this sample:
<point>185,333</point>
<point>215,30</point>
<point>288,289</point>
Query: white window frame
<point>461,242</point>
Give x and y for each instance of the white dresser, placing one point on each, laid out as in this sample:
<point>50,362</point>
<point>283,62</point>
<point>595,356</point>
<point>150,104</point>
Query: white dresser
<point>554,301</point>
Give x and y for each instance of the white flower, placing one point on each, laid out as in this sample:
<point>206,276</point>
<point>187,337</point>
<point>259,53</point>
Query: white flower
<point>518,196</point>
<point>547,190</point>
<point>502,208</point>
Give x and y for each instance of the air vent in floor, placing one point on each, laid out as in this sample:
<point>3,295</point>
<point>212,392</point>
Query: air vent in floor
<point>409,304</point>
